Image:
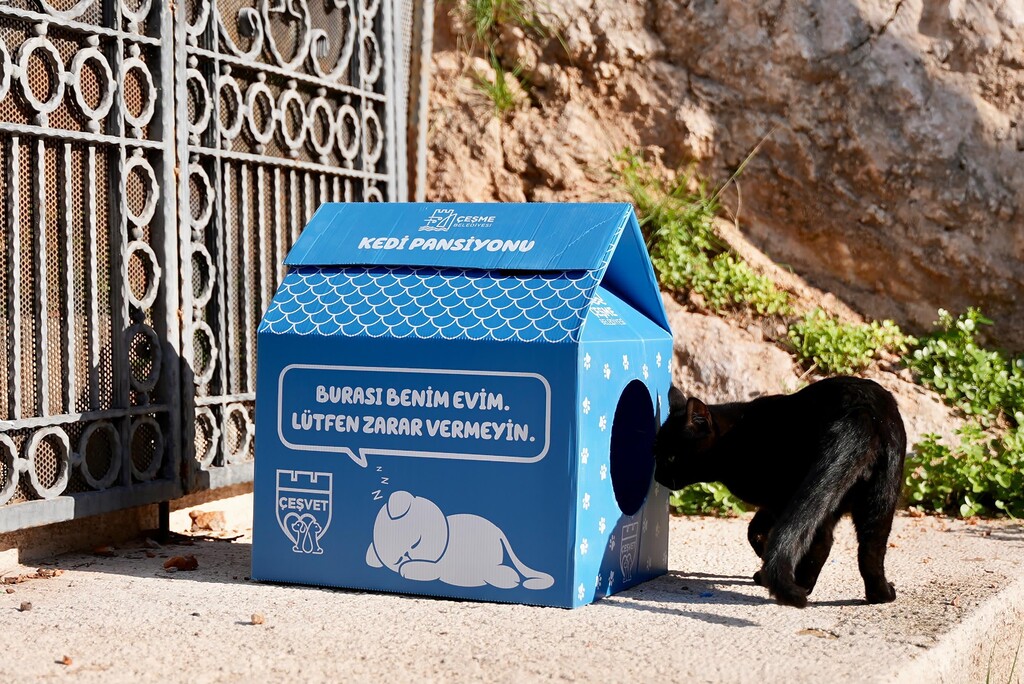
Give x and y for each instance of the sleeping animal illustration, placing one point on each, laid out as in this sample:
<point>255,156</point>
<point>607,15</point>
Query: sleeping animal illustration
<point>411,536</point>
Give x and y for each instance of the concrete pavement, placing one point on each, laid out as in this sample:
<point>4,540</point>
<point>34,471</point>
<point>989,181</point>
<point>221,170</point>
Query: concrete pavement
<point>959,616</point>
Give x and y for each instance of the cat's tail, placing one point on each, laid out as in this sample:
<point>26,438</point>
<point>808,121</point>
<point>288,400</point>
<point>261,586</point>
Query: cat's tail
<point>532,579</point>
<point>843,462</point>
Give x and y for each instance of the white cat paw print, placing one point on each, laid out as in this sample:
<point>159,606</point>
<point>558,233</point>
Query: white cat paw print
<point>584,455</point>
<point>607,372</point>
<point>646,371</point>
<point>584,547</point>
<point>586,502</point>
<point>586,405</point>
<point>625,362</point>
<point>602,423</point>
<point>586,361</point>
<point>601,526</point>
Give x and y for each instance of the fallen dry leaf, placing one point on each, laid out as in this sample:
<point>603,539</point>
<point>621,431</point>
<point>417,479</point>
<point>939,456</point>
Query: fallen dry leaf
<point>208,520</point>
<point>66,660</point>
<point>25,606</point>
<point>181,563</point>
<point>104,551</point>
<point>257,618</point>
<point>41,573</point>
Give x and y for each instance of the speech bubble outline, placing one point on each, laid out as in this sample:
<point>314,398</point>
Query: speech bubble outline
<point>360,459</point>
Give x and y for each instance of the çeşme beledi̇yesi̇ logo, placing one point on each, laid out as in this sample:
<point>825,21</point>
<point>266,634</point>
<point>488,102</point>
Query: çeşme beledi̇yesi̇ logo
<point>304,508</point>
<point>446,219</point>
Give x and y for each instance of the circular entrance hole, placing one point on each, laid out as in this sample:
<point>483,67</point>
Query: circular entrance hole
<point>632,450</point>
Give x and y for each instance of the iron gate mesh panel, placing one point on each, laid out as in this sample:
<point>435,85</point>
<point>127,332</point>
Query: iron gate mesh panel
<point>88,288</point>
<point>285,106</point>
<point>128,318</point>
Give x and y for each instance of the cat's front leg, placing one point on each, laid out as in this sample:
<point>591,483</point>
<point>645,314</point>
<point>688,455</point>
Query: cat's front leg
<point>757,532</point>
<point>420,570</point>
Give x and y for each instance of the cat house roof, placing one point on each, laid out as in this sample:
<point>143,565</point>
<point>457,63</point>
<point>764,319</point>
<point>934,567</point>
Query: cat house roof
<point>503,272</point>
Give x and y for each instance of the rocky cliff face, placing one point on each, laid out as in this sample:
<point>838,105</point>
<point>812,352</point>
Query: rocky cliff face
<point>893,171</point>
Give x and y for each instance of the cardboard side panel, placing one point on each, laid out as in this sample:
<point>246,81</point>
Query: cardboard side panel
<point>414,466</point>
<point>631,276</point>
<point>622,514</point>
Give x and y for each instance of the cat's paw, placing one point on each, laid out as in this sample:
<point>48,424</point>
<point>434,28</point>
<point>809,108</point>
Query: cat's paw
<point>882,594</point>
<point>757,579</point>
<point>791,595</point>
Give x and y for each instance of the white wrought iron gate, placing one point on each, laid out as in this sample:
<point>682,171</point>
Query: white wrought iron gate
<point>158,161</point>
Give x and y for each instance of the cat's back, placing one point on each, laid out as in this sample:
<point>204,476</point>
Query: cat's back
<point>845,393</point>
<point>804,415</point>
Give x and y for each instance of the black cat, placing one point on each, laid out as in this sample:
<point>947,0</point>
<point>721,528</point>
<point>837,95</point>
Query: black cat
<point>835,447</point>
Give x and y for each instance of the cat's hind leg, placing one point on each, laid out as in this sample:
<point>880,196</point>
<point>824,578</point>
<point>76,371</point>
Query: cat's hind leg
<point>846,449</point>
<point>809,567</point>
<point>872,517</point>
<point>502,577</point>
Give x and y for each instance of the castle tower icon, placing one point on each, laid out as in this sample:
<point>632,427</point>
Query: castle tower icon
<point>440,220</point>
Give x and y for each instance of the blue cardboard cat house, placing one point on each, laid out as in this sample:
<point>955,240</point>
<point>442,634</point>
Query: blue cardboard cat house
<point>461,400</point>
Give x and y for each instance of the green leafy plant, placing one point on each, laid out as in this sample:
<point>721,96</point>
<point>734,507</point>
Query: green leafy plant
<point>838,348</point>
<point>982,475</point>
<point>980,381</point>
<point>677,218</point>
<point>706,498</point>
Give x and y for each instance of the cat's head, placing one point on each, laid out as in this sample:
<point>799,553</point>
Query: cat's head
<point>409,528</point>
<point>688,431</point>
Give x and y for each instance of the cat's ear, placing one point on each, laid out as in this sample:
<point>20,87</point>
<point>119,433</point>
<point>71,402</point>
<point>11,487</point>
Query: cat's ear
<point>399,504</point>
<point>676,399</point>
<point>698,416</point>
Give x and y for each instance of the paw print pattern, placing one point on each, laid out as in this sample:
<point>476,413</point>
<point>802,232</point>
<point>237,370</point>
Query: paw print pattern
<point>657,359</point>
<point>607,372</point>
<point>625,362</point>
<point>581,591</point>
<point>604,471</point>
<point>646,371</point>
<point>586,405</point>
<point>586,502</point>
<point>586,361</point>
<point>584,547</point>
<point>602,423</point>
<point>584,455</point>
<point>601,526</point>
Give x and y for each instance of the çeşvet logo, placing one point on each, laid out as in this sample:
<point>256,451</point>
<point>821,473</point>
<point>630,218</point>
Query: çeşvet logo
<point>304,508</point>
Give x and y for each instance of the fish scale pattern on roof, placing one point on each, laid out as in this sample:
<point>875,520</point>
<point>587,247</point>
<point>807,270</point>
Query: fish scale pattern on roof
<point>432,304</point>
